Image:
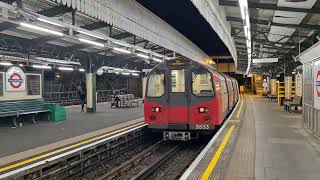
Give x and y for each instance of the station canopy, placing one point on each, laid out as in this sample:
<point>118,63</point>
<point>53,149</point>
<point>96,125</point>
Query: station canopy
<point>279,29</point>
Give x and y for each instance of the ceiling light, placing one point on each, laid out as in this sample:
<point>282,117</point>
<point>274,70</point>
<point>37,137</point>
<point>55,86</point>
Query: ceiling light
<point>65,68</point>
<point>91,42</point>
<point>41,67</point>
<point>6,63</point>
<point>143,50</point>
<point>121,44</point>
<point>156,59</point>
<point>41,29</point>
<point>90,34</point>
<point>142,55</point>
<point>81,70</point>
<point>158,55</point>
<point>117,72</point>
<point>135,74</point>
<point>125,73</point>
<point>122,50</point>
<point>50,22</point>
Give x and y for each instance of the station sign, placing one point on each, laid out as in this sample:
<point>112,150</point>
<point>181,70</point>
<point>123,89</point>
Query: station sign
<point>317,84</point>
<point>15,79</point>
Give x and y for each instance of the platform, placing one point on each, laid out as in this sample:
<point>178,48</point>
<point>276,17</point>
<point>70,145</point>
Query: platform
<point>259,141</point>
<point>37,137</point>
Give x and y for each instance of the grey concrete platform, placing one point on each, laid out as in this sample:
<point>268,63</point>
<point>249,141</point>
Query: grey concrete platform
<point>271,144</point>
<point>31,136</point>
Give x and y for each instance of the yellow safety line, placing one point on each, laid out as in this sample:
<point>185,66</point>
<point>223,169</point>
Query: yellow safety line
<point>66,148</point>
<point>233,121</point>
<point>239,110</point>
<point>217,155</point>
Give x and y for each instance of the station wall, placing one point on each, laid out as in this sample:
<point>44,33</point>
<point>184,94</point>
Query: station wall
<point>311,87</point>
<point>15,84</point>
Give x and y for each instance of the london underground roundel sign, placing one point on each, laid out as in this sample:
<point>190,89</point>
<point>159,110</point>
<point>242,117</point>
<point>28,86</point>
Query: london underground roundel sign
<point>15,79</point>
<point>318,83</point>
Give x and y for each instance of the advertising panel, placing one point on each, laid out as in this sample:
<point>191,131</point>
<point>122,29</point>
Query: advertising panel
<point>15,79</point>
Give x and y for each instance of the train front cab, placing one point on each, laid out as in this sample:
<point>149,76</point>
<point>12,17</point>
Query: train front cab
<point>183,98</point>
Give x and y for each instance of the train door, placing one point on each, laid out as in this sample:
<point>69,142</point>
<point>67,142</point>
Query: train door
<point>177,98</point>
<point>224,94</point>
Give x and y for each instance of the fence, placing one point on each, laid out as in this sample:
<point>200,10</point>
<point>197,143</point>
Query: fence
<point>72,97</point>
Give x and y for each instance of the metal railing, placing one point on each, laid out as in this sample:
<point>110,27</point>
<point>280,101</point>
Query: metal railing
<point>72,97</point>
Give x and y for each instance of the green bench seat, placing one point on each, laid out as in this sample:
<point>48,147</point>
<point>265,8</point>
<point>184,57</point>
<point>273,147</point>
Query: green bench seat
<point>296,102</point>
<point>15,109</point>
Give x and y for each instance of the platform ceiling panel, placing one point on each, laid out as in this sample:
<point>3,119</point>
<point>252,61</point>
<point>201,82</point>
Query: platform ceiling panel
<point>134,18</point>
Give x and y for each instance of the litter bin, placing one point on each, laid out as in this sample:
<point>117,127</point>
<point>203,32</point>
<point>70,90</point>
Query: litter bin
<point>58,112</point>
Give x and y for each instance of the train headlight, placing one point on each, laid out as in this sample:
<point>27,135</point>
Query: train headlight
<point>203,110</point>
<point>156,109</point>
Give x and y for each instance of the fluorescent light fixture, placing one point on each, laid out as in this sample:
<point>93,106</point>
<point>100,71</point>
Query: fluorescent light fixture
<point>158,55</point>
<point>50,22</point>
<point>38,28</point>
<point>143,50</point>
<point>65,68</point>
<point>122,50</point>
<point>142,55</point>
<point>81,70</point>
<point>91,42</point>
<point>125,73</point>
<point>41,67</point>
<point>117,72</point>
<point>265,60</point>
<point>21,65</point>
<point>167,58</point>
<point>6,63</point>
<point>135,74</point>
<point>121,44</point>
<point>90,34</point>
<point>156,59</point>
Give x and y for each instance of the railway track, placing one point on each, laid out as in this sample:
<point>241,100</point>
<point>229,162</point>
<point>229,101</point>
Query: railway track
<point>156,162</point>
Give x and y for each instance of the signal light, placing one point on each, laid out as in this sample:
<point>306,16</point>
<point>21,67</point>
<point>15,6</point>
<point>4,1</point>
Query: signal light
<point>203,110</point>
<point>156,109</point>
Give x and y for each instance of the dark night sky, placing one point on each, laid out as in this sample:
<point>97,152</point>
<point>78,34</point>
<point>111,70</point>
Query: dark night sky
<point>184,17</point>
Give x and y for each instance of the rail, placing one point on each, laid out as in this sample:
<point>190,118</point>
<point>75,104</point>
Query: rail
<point>281,91</point>
<point>72,97</point>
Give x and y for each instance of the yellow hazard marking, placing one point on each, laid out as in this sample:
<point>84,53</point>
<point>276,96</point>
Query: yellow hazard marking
<point>240,109</point>
<point>217,155</point>
<point>233,121</point>
<point>67,148</point>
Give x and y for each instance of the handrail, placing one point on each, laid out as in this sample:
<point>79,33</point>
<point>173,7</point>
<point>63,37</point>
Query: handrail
<point>72,97</point>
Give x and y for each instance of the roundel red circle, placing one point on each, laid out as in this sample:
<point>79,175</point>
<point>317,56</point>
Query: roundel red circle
<point>318,83</point>
<point>15,80</point>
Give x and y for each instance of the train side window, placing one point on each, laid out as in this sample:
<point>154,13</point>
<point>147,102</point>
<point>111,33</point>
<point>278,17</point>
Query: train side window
<point>156,84</point>
<point>202,84</point>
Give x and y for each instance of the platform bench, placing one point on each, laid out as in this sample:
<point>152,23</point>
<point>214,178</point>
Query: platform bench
<point>19,109</point>
<point>296,102</point>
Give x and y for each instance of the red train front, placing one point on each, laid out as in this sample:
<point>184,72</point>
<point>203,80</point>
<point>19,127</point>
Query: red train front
<point>184,97</point>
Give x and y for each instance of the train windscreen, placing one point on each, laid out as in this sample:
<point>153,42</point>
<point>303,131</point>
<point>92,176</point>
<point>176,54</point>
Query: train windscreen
<point>202,84</point>
<point>178,81</point>
<point>156,84</point>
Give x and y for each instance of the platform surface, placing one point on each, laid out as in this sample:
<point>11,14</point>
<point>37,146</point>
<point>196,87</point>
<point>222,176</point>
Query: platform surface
<point>267,144</point>
<point>31,136</point>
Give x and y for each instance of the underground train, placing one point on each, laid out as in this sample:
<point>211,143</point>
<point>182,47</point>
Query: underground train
<point>184,98</point>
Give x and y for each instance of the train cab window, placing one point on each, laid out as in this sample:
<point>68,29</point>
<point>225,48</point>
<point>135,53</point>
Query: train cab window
<point>202,84</point>
<point>178,80</point>
<point>156,84</point>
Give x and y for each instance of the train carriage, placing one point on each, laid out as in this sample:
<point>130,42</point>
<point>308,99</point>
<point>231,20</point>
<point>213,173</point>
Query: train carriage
<point>184,97</point>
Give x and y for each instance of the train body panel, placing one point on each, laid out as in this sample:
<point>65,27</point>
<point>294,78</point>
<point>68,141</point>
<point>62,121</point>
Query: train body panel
<point>186,95</point>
